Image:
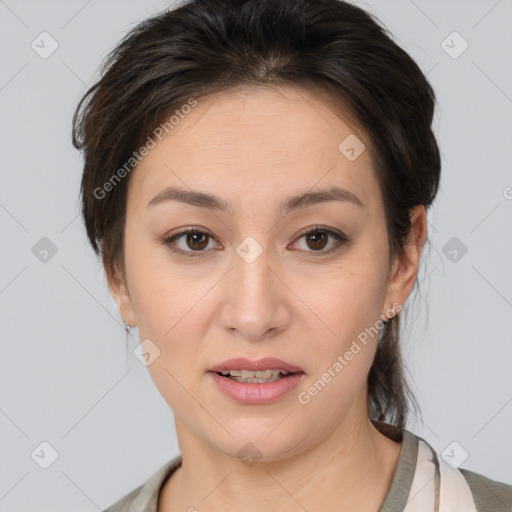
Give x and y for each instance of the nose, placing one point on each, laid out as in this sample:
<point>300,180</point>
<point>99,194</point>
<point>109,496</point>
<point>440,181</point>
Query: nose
<point>255,305</point>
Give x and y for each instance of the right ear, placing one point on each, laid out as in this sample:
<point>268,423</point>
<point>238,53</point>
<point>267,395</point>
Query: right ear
<point>118,288</point>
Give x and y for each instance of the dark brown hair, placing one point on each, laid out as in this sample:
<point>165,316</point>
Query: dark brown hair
<point>206,46</point>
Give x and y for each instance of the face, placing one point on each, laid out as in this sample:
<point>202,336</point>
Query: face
<point>298,280</point>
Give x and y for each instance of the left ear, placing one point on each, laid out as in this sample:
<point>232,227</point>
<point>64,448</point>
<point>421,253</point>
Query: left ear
<point>405,269</point>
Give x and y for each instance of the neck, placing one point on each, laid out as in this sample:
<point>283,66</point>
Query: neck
<point>351,469</point>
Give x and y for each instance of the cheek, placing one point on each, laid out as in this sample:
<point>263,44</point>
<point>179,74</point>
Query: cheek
<point>172,311</point>
<point>162,294</point>
<point>346,301</point>
<point>348,308</point>
<point>171,315</point>
<point>343,354</point>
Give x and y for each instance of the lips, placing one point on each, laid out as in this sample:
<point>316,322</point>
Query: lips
<point>267,363</point>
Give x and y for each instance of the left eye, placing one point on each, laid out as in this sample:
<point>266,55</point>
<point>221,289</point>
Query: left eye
<point>196,240</point>
<point>317,239</point>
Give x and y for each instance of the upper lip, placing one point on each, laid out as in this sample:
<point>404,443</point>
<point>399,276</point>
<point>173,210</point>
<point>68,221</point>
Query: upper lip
<point>267,363</point>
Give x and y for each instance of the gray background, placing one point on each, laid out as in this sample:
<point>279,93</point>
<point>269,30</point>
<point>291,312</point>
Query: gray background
<point>63,370</point>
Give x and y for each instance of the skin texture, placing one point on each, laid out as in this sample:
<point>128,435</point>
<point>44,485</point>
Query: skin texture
<point>254,148</point>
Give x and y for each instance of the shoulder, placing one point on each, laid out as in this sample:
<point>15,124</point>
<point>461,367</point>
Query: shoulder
<point>489,495</point>
<point>145,497</point>
<point>457,488</point>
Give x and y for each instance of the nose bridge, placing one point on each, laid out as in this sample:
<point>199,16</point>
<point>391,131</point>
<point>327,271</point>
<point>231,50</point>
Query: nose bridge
<point>255,304</point>
<point>253,273</point>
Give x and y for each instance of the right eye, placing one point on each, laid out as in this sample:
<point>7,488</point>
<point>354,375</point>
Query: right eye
<point>196,240</point>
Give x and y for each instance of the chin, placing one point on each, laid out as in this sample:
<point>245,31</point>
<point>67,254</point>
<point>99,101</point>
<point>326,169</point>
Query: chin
<point>260,442</point>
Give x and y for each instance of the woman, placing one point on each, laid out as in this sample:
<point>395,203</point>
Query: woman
<point>256,180</point>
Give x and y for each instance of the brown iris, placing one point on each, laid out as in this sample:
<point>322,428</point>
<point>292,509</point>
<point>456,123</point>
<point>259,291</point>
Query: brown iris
<point>193,240</point>
<point>318,238</point>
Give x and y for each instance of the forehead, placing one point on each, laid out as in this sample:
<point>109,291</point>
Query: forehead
<point>257,144</point>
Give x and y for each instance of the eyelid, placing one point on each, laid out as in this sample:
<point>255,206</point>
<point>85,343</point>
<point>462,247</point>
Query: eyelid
<point>339,236</point>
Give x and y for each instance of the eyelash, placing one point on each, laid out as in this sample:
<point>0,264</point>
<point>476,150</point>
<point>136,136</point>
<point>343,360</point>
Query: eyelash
<point>340,238</point>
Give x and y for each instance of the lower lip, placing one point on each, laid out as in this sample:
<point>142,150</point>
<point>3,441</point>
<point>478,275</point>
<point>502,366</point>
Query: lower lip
<point>256,393</point>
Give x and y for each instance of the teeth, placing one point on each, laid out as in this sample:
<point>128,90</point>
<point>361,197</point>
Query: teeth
<point>255,381</point>
<point>253,377</point>
<point>267,374</point>
<point>249,374</point>
<point>234,373</point>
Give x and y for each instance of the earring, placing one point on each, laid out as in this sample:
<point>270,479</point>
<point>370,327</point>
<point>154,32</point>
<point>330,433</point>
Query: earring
<point>127,327</point>
<point>389,318</point>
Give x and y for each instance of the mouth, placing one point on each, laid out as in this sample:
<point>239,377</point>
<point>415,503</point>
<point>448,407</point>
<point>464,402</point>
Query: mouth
<point>256,382</point>
<point>266,369</point>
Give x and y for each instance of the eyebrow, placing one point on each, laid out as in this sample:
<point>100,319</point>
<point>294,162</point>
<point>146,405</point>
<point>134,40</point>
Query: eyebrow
<point>211,202</point>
